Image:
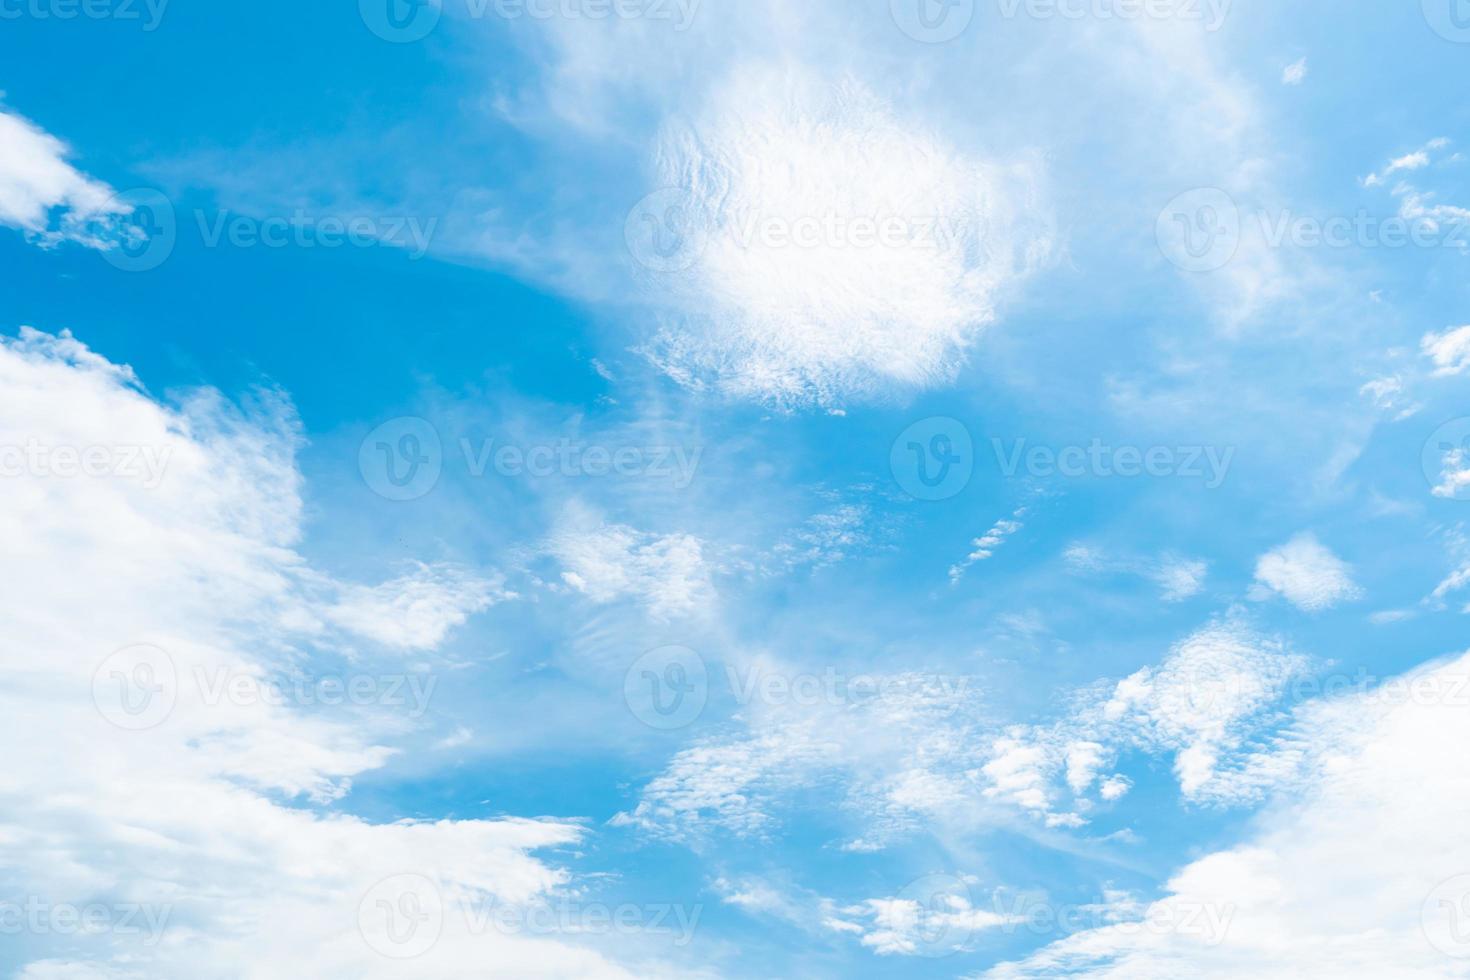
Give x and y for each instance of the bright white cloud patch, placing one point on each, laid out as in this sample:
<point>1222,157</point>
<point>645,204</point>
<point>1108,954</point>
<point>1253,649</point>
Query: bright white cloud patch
<point>158,754</point>
<point>1303,895</point>
<point>986,544</point>
<point>1450,351</point>
<point>836,249</point>
<point>43,195</point>
<point>1294,73</point>
<point>606,562</point>
<point>1307,575</point>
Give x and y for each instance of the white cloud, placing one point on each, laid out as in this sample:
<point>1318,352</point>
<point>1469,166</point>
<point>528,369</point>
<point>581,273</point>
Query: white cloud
<point>1307,575</point>
<point>925,752</point>
<point>901,743</point>
<point>1294,73</point>
<point>1417,160</point>
<point>1390,394</point>
<point>46,197</point>
<point>668,574</point>
<point>415,611</point>
<point>1204,700</point>
<point>1450,351</point>
<point>214,813</point>
<point>1302,895</point>
<point>1178,578</point>
<point>904,926</point>
<point>986,545</point>
<point>842,250</point>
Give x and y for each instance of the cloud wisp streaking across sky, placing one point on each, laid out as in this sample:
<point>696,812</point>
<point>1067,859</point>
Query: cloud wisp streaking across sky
<point>867,488</point>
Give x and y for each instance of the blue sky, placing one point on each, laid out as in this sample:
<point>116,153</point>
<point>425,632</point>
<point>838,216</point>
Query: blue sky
<point>893,488</point>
